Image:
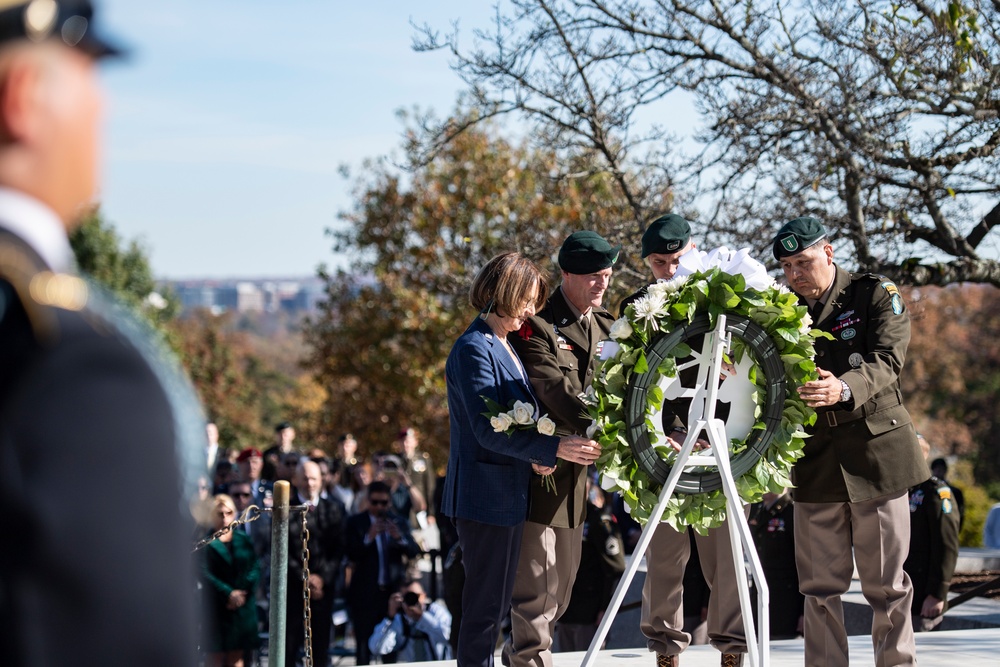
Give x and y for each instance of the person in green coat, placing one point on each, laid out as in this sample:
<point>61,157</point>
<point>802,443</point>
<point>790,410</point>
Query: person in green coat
<point>229,571</point>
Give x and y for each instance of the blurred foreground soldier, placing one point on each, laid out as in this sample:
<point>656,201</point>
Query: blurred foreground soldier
<point>103,576</point>
<point>933,548</point>
<point>862,457</point>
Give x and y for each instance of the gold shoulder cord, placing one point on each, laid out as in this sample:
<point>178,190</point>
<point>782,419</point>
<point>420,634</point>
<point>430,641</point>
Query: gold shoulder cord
<point>40,291</point>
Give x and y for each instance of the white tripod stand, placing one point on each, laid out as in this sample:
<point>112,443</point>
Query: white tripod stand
<point>701,417</point>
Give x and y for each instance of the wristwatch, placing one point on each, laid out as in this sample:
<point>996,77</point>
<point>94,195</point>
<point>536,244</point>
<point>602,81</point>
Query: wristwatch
<point>845,392</point>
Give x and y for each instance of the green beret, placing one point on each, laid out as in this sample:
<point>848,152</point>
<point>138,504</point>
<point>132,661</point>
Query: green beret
<point>667,234</point>
<point>586,252</point>
<point>797,235</point>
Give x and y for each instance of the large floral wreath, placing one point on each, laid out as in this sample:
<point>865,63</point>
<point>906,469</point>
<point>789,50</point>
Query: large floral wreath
<point>722,281</point>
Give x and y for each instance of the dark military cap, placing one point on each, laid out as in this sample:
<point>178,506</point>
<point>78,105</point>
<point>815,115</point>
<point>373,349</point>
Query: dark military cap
<point>281,426</point>
<point>586,252</point>
<point>68,21</point>
<point>797,235</point>
<point>667,234</point>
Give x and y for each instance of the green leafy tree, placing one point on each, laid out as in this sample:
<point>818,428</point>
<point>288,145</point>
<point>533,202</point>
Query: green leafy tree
<point>243,391</point>
<point>122,268</point>
<point>381,337</point>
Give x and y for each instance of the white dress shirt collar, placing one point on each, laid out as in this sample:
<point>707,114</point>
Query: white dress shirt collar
<point>38,226</point>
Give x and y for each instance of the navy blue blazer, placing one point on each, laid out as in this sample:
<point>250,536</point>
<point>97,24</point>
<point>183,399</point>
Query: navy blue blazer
<point>488,472</point>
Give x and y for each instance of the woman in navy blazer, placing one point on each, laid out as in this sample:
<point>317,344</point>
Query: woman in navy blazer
<point>486,486</point>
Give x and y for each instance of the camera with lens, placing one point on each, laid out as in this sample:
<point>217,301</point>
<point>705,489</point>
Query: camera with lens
<point>391,464</point>
<point>411,599</point>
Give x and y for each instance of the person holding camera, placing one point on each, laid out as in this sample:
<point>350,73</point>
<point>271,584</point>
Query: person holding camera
<point>379,544</point>
<point>407,500</point>
<point>413,630</point>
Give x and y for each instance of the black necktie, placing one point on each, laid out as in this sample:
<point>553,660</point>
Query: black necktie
<point>814,312</point>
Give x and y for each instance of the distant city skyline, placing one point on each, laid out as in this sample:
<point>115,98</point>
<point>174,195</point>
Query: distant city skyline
<point>228,123</point>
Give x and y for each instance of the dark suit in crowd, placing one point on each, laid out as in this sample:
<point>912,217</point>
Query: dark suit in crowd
<point>325,522</point>
<point>378,569</point>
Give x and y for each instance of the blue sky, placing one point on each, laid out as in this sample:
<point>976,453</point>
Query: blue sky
<point>226,126</point>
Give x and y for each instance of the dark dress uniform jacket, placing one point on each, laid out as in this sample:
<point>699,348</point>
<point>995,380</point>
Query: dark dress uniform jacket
<point>866,448</point>
<point>560,359</point>
<point>933,541</point>
<point>95,554</point>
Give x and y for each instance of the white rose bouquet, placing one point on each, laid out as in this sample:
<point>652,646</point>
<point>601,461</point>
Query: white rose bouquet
<point>519,416</point>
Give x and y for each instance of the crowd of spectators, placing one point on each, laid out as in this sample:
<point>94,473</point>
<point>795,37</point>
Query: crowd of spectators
<point>365,519</point>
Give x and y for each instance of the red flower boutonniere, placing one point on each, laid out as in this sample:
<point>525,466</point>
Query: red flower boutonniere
<point>525,331</point>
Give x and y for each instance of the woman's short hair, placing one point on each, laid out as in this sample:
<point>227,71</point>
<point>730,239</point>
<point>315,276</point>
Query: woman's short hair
<point>223,500</point>
<point>505,284</point>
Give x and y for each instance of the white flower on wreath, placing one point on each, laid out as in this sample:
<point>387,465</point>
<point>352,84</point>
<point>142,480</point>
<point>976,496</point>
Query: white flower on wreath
<point>651,308</point>
<point>546,426</point>
<point>621,329</point>
<point>667,287</point>
<point>806,324</point>
<point>522,412</point>
<point>501,422</point>
<point>733,262</point>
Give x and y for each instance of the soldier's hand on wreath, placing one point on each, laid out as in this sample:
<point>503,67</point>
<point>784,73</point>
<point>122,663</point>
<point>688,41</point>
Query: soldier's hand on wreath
<point>824,391</point>
<point>932,607</point>
<point>543,470</point>
<point>675,439</point>
<point>576,449</point>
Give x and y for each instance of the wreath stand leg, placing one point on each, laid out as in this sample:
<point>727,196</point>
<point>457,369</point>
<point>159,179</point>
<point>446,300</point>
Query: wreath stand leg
<point>702,417</point>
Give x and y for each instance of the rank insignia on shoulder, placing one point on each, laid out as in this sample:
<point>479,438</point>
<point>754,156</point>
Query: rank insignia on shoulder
<point>58,290</point>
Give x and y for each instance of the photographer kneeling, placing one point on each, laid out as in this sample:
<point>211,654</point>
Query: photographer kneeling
<point>413,629</point>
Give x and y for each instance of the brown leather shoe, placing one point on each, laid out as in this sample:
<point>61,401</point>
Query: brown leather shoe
<point>732,660</point>
<point>664,660</point>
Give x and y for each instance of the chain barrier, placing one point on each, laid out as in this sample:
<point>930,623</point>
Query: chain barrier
<point>250,514</point>
<point>306,594</point>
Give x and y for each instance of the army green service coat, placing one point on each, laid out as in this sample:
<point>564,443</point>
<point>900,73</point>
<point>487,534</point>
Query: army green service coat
<point>867,447</point>
<point>560,360</point>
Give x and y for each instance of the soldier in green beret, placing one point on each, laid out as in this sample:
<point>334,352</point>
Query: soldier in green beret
<point>560,348</point>
<point>665,240</point>
<point>862,456</point>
